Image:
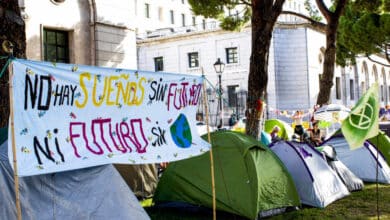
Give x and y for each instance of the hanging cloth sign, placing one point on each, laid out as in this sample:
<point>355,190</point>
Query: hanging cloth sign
<point>69,116</point>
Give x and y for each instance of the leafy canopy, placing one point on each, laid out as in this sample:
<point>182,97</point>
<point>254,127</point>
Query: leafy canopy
<point>233,14</point>
<point>364,30</point>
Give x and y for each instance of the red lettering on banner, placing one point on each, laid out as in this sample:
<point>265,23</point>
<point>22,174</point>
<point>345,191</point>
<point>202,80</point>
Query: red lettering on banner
<point>181,96</point>
<point>128,136</point>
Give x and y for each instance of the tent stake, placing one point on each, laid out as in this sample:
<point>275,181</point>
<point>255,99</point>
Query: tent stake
<point>16,177</point>
<point>211,149</point>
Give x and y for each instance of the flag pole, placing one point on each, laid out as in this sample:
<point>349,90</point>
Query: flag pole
<point>211,149</point>
<point>16,177</point>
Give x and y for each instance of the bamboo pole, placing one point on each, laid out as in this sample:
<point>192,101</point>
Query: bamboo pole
<point>377,175</point>
<point>16,177</point>
<point>211,149</point>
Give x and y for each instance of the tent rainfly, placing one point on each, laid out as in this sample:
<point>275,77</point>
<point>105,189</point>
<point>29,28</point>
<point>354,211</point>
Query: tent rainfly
<point>382,142</point>
<point>249,179</point>
<point>91,193</point>
<point>362,161</point>
<point>317,184</point>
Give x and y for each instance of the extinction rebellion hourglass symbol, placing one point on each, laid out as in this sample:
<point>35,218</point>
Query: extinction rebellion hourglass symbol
<point>363,116</point>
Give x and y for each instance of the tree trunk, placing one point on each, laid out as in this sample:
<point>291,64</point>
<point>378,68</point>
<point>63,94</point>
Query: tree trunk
<point>332,18</point>
<point>13,30</point>
<point>263,20</point>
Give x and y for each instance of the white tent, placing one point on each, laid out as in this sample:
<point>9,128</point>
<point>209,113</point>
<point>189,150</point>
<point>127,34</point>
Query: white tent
<point>91,193</point>
<point>332,113</point>
<point>351,181</point>
<point>362,161</point>
<point>317,184</point>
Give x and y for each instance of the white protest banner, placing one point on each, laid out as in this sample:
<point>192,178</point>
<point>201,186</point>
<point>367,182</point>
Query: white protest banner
<point>70,116</point>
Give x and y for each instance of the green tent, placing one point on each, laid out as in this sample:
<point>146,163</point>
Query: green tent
<point>382,142</point>
<point>285,132</point>
<point>249,178</point>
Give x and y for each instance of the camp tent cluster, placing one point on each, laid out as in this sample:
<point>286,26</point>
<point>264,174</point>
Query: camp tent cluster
<point>320,175</point>
<point>251,179</point>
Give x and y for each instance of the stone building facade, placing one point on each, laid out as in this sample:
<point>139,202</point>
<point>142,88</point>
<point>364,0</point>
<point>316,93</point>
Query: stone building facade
<point>91,32</point>
<point>136,34</point>
<point>295,67</point>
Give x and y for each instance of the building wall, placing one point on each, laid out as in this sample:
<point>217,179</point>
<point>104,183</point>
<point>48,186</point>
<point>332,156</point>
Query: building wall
<point>291,70</point>
<point>210,46</point>
<point>114,33</point>
<point>100,32</point>
<point>103,33</point>
<point>315,59</point>
<point>45,14</point>
<point>159,21</point>
<point>272,99</point>
<point>375,72</point>
<point>296,6</point>
<point>115,47</point>
<point>295,64</point>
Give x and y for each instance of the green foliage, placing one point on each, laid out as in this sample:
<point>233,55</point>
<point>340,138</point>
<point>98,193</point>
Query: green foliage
<point>364,29</point>
<point>209,9</point>
<point>313,11</point>
<point>344,56</point>
<point>386,5</point>
<point>236,22</point>
<point>217,9</point>
<point>367,6</point>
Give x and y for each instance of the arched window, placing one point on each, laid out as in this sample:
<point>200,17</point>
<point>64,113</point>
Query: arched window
<point>366,77</point>
<point>375,74</point>
<point>384,85</point>
<point>388,86</point>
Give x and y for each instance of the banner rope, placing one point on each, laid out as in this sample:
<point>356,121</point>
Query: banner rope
<point>219,93</point>
<point>10,58</point>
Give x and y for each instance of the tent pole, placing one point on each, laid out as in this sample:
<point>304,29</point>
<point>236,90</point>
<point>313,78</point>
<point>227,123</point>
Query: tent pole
<point>16,177</point>
<point>211,149</point>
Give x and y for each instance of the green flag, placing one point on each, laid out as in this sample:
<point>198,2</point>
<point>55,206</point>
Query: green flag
<point>363,121</point>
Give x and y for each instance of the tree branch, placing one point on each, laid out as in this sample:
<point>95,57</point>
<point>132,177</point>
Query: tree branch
<point>385,50</point>
<point>324,10</point>
<point>278,5</point>
<point>376,61</point>
<point>313,22</point>
<point>244,2</point>
<point>277,8</point>
<point>340,7</point>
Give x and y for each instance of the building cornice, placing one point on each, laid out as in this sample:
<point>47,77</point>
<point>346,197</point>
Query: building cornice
<point>181,36</point>
<point>202,34</point>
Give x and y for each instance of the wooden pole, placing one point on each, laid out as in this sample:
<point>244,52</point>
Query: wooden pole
<point>211,149</point>
<point>16,177</point>
<point>377,176</point>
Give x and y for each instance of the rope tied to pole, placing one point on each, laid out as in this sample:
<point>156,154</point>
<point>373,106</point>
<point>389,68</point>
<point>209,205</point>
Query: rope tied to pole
<point>7,47</point>
<point>10,58</point>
